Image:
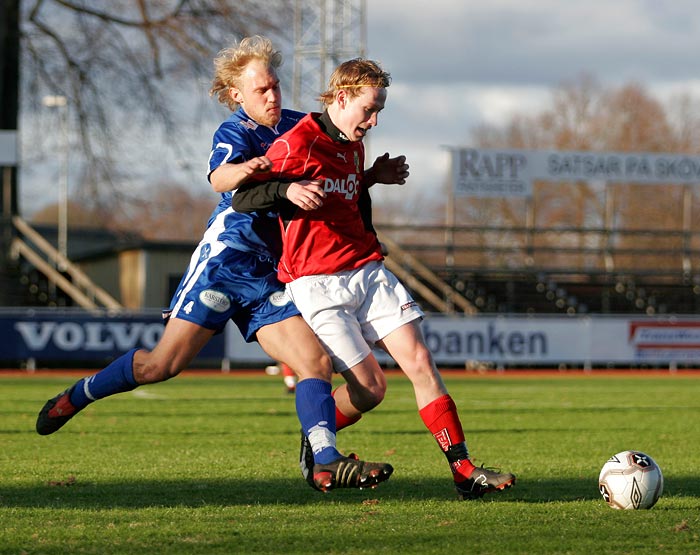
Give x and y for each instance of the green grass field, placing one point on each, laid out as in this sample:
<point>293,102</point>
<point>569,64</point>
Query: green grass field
<point>208,464</point>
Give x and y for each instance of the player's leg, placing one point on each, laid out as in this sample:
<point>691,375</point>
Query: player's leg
<point>347,414</point>
<point>391,320</point>
<point>179,344</point>
<point>322,302</point>
<point>439,412</point>
<point>340,334</point>
<point>364,389</point>
<point>406,346</point>
<point>291,341</point>
<point>191,324</point>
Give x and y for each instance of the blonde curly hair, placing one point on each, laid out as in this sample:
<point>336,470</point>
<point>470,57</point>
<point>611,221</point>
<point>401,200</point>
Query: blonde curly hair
<point>231,61</point>
<point>352,76</point>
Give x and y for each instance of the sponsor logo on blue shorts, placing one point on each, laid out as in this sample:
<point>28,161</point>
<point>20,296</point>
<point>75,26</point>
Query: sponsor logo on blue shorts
<point>279,298</point>
<point>215,300</point>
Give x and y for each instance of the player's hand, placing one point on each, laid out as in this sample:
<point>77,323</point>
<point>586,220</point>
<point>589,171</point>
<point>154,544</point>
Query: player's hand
<point>231,175</point>
<point>259,164</point>
<point>390,170</point>
<point>306,194</point>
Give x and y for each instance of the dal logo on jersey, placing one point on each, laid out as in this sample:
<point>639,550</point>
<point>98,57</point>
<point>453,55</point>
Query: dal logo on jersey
<point>346,187</point>
<point>216,300</point>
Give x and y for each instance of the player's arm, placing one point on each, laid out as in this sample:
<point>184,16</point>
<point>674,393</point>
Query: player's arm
<point>230,176</point>
<point>251,197</point>
<point>364,205</point>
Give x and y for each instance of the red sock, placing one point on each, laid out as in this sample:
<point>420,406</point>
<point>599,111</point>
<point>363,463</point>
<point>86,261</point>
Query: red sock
<point>289,378</point>
<point>341,420</point>
<point>441,418</point>
<point>287,371</point>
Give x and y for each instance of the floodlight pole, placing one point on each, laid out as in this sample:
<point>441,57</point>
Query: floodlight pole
<point>61,103</point>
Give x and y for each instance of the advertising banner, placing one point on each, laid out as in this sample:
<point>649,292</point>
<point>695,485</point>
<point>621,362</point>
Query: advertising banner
<point>553,340</point>
<point>454,340</point>
<point>546,340</point>
<point>83,335</point>
<point>511,172</point>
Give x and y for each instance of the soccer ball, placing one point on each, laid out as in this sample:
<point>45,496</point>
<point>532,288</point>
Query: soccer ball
<point>631,480</point>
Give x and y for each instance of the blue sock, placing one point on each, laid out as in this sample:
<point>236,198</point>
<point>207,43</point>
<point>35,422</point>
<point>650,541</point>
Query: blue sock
<point>115,378</point>
<point>316,412</point>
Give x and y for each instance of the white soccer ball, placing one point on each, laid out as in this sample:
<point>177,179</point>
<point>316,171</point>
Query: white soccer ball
<point>631,480</point>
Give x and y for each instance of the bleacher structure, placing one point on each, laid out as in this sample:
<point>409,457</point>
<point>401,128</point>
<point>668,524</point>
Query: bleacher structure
<point>462,269</point>
<point>549,271</point>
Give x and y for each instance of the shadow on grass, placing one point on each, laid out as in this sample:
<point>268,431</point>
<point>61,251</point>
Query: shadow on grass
<point>230,492</point>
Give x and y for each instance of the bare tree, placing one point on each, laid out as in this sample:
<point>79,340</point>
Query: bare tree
<point>586,116</point>
<point>166,204</point>
<point>151,218</point>
<point>124,65</point>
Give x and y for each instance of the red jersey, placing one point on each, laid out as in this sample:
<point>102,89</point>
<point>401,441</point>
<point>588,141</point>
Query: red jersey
<point>332,238</point>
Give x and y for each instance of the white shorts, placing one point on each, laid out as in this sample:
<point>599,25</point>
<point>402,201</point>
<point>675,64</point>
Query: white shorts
<point>350,311</point>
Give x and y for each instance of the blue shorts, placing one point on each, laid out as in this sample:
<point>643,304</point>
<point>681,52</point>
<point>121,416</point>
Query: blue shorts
<point>222,284</point>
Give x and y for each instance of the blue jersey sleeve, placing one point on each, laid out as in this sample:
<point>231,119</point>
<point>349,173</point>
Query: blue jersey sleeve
<point>230,144</point>
<point>239,138</point>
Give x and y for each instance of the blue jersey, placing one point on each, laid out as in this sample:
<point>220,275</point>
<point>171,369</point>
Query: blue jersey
<point>232,274</point>
<point>238,139</point>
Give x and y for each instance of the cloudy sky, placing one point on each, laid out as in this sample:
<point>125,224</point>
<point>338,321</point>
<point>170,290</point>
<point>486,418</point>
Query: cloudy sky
<point>458,63</point>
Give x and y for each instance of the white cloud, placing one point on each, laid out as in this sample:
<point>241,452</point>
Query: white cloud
<point>542,41</point>
<point>456,64</point>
